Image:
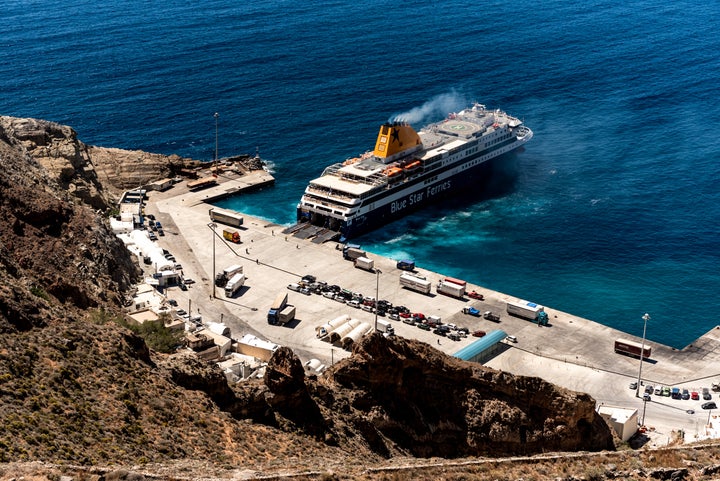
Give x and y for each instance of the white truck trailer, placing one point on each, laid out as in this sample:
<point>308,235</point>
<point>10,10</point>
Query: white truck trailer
<point>450,289</point>
<point>365,264</point>
<point>234,284</point>
<point>385,327</point>
<point>415,283</point>
<point>525,309</point>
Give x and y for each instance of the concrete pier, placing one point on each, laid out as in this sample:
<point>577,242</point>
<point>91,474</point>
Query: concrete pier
<point>572,352</point>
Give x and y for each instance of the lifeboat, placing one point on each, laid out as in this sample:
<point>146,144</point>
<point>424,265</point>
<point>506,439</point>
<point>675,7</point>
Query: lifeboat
<point>351,161</point>
<point>412,165</point>
<point>392,171</point>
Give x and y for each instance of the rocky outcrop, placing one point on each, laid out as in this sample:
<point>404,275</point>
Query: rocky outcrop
<point>430,404</point>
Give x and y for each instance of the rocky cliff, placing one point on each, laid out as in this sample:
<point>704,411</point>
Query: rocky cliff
<point>75,387</point>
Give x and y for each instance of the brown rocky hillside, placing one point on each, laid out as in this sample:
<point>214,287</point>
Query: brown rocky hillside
<point>83,396</point>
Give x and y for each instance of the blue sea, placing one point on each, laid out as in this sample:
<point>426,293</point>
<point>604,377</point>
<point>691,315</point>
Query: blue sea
<point>611,211</point>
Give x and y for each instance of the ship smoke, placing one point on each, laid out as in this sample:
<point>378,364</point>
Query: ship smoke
<point>438,106</point>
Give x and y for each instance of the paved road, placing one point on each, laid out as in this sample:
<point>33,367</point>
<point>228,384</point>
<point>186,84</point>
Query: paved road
<point>572,352</point>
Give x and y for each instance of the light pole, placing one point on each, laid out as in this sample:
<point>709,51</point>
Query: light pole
<point>377,294</point>
<point>646,318</point>
<point>216,115</point>
<point>644,406</point>
<point>213,226</point>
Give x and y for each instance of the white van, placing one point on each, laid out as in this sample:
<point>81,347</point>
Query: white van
<point>511,339</point>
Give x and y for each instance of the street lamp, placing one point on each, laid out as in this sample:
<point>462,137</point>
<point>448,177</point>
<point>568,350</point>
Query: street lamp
<point>213,226</point>
<point>377,294</point>
<point>216,115</point>
<point>644,406</point>
<point>646,318</point>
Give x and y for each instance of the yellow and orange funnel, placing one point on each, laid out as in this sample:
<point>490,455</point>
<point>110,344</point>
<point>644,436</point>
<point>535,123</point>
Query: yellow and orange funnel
<point>394,139</point>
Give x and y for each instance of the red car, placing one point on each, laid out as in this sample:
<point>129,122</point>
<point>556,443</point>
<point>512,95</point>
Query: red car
<point>479,333</point>
<point>695,396</point>
<point>475,295</point>
<point>419,316</point>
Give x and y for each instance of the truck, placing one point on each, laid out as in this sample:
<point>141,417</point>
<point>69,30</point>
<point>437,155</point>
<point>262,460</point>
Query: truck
<point>365,264</point>
<point>286,315</point>
<point>227,217</point>
<point>632,348</point>
<point>490,316</point>
<point>470,310</point>
<point>452,280</point>
<point>351,253</point>
<point>415,283</point>
<point>234,284</point>
<point>385,327</point>
<point>231,235</point>
<point>406,265</point>
<point>450,289</point>
<point>278,305</point>
<point>528,310</point>
<point>222,278</point>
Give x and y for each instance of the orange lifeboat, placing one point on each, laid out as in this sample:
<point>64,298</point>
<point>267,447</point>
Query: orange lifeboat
<point>351,161</point>
<point>393,171</point>
<point>412,165</point>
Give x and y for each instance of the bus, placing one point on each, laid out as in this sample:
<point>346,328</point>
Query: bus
<point>227,217</point>
<point>632,348</point>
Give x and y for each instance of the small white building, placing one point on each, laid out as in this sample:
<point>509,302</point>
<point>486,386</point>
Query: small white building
<point>624,421</point>
<point>239,366</point>
<point>223,343</point>
<point>253,346</point>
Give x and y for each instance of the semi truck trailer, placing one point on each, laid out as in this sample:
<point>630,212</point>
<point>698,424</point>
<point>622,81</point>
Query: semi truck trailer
<point>528,310</point>
<point>450,289</point>
<point>234,284</point>
<point>415,283</point>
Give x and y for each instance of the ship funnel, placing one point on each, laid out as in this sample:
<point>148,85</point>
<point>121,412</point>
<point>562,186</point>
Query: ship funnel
<point>396,138</point>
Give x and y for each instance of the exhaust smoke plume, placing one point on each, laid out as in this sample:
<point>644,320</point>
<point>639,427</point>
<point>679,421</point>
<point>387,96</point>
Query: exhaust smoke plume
<point>438,106</point>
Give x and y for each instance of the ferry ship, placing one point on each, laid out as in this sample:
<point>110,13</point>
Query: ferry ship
<point>409,169</point>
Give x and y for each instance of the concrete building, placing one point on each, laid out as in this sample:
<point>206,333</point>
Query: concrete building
<point>484,348</point>
<point>238,367</point>
<point>252,346</point>
<point>623,421</point>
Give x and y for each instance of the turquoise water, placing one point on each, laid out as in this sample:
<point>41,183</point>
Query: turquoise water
<point>610,211</point>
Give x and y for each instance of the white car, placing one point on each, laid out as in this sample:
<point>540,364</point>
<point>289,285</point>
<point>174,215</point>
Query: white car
<point>294,287</point>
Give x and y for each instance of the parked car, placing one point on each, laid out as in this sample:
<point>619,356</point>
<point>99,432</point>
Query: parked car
<point>294,287</point>
<point>685,394</point>
<point>710,405</point>
<point>633,385</point>
<point>183,287</point>
<point>675,394</point>
<point>161,232</point>
<point>453,336</point>
<point>512,339</point>
<point>423,326</point>
<point>479,333</point>
<point>649,389</point>
<point>694,396</point>
<point>706,394</point>
<point>407,320</point>
<point>658,391</point>
<point>646,397</point>
<point>475,295</point>
<point>666,391</point>
<point>172,302</point>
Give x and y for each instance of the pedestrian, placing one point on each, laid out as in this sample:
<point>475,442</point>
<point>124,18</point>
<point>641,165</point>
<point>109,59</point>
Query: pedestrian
<point>438,342</point>
<point>247,251</point>
<point>297,246</point>
<point>257,261</point>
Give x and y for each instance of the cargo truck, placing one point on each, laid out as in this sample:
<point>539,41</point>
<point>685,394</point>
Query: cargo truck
<point>406,265</point>
<point>222,278</point>
<point>231,235</point>
<point>450,289</point>
<point>385,327</point>
<point>234,284</point>
<point>632,348</point>
<point>365,264</point>
<point>286,315</point>
<point>277,306</point>
<point>415,283</point>
<point>528,310</point>
<point>452,280</point>
<point>352,252</point>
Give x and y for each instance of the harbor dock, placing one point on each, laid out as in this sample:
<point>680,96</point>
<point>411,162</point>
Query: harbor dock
<point>572,352</point>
